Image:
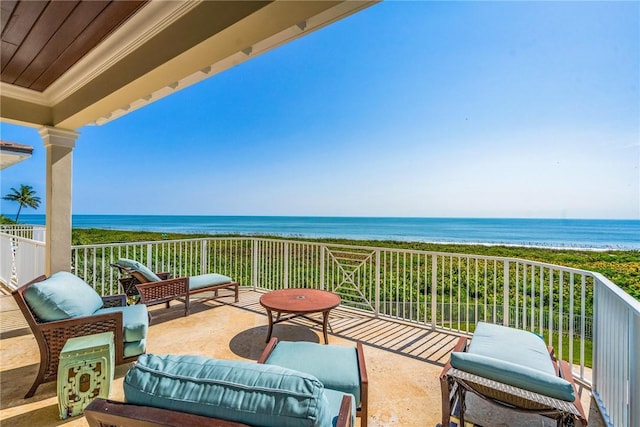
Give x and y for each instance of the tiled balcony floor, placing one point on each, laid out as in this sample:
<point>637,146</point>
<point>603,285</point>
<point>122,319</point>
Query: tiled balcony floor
<point>403,361</point>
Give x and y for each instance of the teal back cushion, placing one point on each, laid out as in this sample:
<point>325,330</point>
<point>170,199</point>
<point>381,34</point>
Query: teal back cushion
<point>511,345</point>
<point>244,392</point>
<point>136,266</point>
<point>61,296</point>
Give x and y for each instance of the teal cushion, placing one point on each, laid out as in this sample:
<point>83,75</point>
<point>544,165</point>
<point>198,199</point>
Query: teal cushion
<point>134,348</point>
<point>136,266</point>
<point>205,280</point>
<point>334,399</point>
<point>249,393</point>
<point>61,296</point>
<point>135,320</point>
<point>511,345</point>
<point>514,374</point>
<point>335,366</point>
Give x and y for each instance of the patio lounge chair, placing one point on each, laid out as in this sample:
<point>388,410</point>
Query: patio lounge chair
<point>158,288</point>
<point>513,369</point>
<point>183,390</point>
<point>63,306</point>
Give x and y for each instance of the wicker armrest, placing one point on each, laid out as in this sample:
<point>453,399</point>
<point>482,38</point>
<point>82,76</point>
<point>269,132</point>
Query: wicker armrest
<point>56,333</point>
<point>119,300</point>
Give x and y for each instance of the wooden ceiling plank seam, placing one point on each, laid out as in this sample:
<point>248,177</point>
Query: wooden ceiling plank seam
<point>7,50</point>
<point>44,28</point>
<point>20,24</point>
<point>111,18</point>
<point>7,7</point>
<point>77,21</point>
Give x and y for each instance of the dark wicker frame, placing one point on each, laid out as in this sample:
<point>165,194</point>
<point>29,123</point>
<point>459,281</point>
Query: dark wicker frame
<point>52,336</point>
<point>108,413</point>
<point>129,282</point>
<point>362,411</point>
<point>164,291</point>
<point>454,384</point>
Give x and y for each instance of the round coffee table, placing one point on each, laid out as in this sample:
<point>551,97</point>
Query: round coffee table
<point>299,302</point>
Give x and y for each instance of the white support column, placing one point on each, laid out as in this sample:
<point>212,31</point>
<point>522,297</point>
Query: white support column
<point>59,144</point>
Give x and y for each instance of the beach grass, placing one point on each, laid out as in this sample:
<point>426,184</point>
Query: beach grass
<point>622,267</point>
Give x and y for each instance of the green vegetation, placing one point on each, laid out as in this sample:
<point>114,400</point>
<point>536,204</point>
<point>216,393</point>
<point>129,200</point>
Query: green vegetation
<point>622,267</point>
<point>6,221</point>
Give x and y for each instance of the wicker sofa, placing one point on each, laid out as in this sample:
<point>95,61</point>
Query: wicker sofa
<point>183,390</point>
<point>63,306</point>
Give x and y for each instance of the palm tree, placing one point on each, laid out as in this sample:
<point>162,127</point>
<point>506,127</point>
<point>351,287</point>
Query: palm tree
<point>26,197</point>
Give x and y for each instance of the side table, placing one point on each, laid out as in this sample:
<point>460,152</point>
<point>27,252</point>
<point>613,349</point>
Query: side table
<point>85,372</point>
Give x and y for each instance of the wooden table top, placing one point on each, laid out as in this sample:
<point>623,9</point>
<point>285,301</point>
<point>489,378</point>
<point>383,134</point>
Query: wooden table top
<point>300,300</point>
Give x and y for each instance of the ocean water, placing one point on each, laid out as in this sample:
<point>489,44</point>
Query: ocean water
<point>560,233</point>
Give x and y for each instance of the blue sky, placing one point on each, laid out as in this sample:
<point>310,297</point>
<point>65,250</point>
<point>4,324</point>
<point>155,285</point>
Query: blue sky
<point>426,109</point>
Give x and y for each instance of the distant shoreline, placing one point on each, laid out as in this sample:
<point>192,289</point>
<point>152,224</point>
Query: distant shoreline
<point>572,234</point>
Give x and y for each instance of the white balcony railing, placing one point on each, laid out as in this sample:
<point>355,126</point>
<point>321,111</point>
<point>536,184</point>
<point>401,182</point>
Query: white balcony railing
<point>22,259</point>
<point>33,232</point>
<point>590,322</point>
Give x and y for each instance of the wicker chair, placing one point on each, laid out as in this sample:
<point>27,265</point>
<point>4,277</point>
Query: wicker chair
<point>455,383</point>
<point>52,336</point>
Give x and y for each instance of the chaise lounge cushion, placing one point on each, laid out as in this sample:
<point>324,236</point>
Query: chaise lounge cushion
<point>135,321</point>
<point>206,280</point>
<point>335,366</point>
<point>61,296</point>
<point>141,268</point>
<point>239,391</point>
<point>515,357</point>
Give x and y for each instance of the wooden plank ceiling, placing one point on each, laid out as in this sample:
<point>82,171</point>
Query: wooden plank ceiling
<point>41,40</point>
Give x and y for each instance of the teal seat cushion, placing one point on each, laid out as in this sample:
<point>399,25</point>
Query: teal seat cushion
<point>244,392</point>
<point>515,357</point>
<point>135,320</point>
<point>206,280</point>
<point>61,296</point>
<point>136,266</point>
<point>334,399</point>
<point>335,366</point>
<point>134,348</point>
